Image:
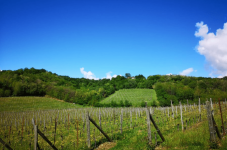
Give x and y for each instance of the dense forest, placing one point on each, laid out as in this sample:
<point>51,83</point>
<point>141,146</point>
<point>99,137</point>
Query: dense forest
<point>39,82</point>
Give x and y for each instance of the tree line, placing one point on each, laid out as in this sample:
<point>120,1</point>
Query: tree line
<point>40,82</point>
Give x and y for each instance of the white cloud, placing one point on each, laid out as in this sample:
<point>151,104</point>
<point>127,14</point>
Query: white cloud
<point>108,75</point>
<point>88,75</point>
<point>186,71</point>
<point>214,48</point>
<point>169,74</point>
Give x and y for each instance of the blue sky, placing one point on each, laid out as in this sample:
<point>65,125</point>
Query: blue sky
<point>97,39</point>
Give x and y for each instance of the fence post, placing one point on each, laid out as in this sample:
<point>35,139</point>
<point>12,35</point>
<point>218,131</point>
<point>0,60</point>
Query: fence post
<point>35,137</point>
<point>182,123</point>
<point>99,129</point>
<point>199,111</point>
<point>221,118</point>
<point>148,125</point>
<point>156,127</point>
<point>121,119</point>
<point>5,144</point>
<point>130,119</point>
<point>210,123</point>
<point>88,130</point>
<point>100,119</point>
<point>172,109</point>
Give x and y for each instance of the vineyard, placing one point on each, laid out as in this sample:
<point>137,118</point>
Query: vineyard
<point>136,96</point>
<point>183,126</point>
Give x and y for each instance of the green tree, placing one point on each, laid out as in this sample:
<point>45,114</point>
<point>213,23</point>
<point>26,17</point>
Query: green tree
<point>121,103</point>
<point>143,104</point>
<point>127,103</point>
<point>127,75</point>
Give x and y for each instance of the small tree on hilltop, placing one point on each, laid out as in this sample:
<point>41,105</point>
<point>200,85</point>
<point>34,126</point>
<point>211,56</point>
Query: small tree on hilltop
<point>127,75</point>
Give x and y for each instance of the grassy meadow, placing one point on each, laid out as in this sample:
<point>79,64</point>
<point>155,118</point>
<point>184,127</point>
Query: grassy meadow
<point>134,96</point>
<point>31,103</point>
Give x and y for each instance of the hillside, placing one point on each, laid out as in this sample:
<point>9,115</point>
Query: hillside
<point>40,82</point>
<point>134,96</point>
<point>31,103</point>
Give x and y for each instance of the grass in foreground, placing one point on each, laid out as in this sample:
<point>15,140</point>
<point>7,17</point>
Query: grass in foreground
<point>134,96</point>
<point>33,103</point>
<point>196,137</point>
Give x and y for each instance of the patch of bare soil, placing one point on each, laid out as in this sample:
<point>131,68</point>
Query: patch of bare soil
<point>106,146</point>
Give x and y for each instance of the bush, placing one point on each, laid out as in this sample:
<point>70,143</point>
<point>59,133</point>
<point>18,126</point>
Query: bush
<point>113,104</point>
<point>154,104</point>
<point>121,104</point>
<point>127,103</point>
<point>143,104</point>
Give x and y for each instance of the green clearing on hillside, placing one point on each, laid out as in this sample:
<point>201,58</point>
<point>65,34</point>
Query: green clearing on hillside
<point>134,96</point>
<point>33,103</point>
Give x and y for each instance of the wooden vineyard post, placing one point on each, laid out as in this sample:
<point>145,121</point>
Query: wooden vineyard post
<point>68,121</point>
<point>182,123</point>
<point>199,111</point>
<point>9,133</point>
<point>44,126</point>
<point>121,119</point>
<point>130,119</point>
<point>100,129</point>
<point>45,138</point>
<point>22,128</point>
<point>114,115</point>
<point>148,125</point>
<point>156,127</point>
<point>210,122</point>
<point>88,131</point>
<point>211,103</point>
<point>5,144</point>
<point>35,137</point>
<point>94,138</point>
<point>221,118</point>
<point>55,128</point>
<point>36,132</point>
<point>77,132</point>
<point>172,109</point>
<point>100,119</point>
<point>216,127</point>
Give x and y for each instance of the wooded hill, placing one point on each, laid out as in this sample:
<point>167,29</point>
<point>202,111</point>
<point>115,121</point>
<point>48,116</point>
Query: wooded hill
<point>39,82</point>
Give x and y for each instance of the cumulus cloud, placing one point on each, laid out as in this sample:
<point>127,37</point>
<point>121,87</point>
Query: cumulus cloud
<point>88,75</point>
<point>186,71</point>
<point>214,48</point>
<point>108,75</point>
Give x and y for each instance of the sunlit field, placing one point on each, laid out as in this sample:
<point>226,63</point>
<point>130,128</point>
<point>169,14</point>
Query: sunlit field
<point>134,96</point>
<point>32,103</point>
